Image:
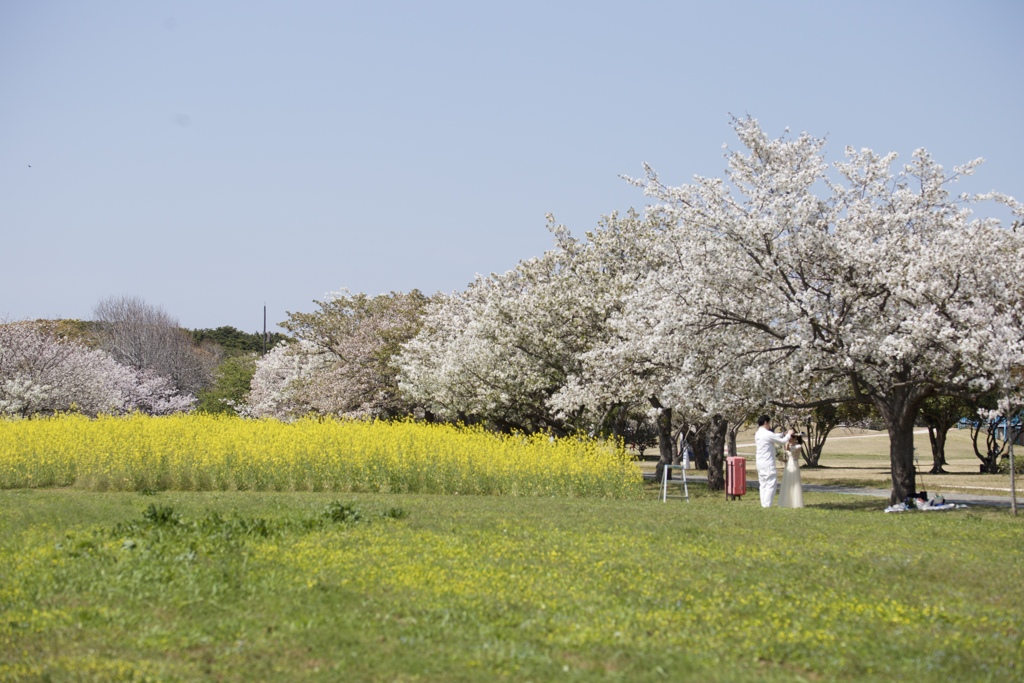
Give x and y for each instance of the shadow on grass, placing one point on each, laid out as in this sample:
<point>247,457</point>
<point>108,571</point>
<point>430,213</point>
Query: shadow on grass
<point>697,490</point>
<point>870,504</point>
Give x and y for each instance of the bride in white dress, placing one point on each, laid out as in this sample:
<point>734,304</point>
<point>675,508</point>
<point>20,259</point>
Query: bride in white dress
<point>792,491</point>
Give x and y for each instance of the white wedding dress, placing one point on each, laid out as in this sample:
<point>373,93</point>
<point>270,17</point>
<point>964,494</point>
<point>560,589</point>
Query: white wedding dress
<point>791,494</point>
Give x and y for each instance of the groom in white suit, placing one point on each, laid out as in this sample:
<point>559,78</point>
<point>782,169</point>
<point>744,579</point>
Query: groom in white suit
<point>765,440</point>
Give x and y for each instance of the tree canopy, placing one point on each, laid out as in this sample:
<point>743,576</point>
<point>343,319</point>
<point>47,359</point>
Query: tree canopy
<point>341,360</point>
<point>789,282</point>
<point>235,341</point>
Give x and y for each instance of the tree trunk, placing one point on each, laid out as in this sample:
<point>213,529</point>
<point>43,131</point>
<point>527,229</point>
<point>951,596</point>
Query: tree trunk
<point>816,431</point>
<point>812,455</point>
<point>819,423</point>
<point>617,415</point>
<point>989,461</point>
<point>665,444</point>
<point>899,409</point>
<point>700,449</point>
<point>937,439</point>
<point>666,447</point>
<point>679,443</point>
<point>940,414</point>
<point>716,453</point>
<point>901,457</point>
<point>730,444</point>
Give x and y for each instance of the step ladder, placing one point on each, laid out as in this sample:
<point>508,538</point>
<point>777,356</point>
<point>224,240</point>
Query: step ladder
<point>684,492</point>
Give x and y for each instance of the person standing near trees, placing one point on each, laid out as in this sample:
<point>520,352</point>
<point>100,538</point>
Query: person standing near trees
<point>792,495</point>
<point>765,439</point>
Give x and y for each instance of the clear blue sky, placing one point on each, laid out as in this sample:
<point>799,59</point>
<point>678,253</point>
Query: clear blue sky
<point>213,156</point>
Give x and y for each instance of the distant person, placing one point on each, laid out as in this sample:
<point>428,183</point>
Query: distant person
<point>792,494</point>
<point>766,441</point>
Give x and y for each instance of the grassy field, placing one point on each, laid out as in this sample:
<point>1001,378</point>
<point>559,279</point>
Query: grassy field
<point>247,586</point>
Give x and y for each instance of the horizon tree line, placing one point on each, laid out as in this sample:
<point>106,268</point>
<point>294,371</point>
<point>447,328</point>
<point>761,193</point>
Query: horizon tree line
<point>816,291</point>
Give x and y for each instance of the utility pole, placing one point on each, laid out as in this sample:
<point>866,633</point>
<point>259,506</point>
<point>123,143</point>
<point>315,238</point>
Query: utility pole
<point>264,329</point>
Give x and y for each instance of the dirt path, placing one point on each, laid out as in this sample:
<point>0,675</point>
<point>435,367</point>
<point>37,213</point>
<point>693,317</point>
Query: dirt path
<point>843,438</point>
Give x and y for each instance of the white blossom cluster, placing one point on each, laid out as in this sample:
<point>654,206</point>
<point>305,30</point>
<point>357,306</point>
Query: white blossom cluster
<point>507,346</point>
<point>276,388</point>
<point>40,374</point>
<point>884,288</point>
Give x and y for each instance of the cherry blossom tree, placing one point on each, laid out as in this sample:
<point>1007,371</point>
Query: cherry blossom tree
<point>145,391</point>
<point>648,356</point>
<point>474,359</point>
<point>790,283</point>
<point>281,375</point>
<point>147,338</point>
<point>876,285</point>
<point>41,374</point>
<point>503,350</point>
<point>342,362</point>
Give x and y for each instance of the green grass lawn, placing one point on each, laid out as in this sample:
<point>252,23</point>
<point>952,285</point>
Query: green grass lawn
<point>305,586</point>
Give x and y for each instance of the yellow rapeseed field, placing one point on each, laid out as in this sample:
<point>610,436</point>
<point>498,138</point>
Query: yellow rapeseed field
<point>205,452</point>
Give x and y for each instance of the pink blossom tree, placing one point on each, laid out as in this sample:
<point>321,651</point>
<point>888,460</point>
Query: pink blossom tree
<point>41,374</point>
<point>341,362</point>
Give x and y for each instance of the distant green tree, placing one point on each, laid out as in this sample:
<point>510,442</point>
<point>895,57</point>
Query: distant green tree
<point>231,380</point>
<point>940,414</point>
<point>235,342</point>
<point>989,410</point>
<point>817,423</point>
<point>640,432</point>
